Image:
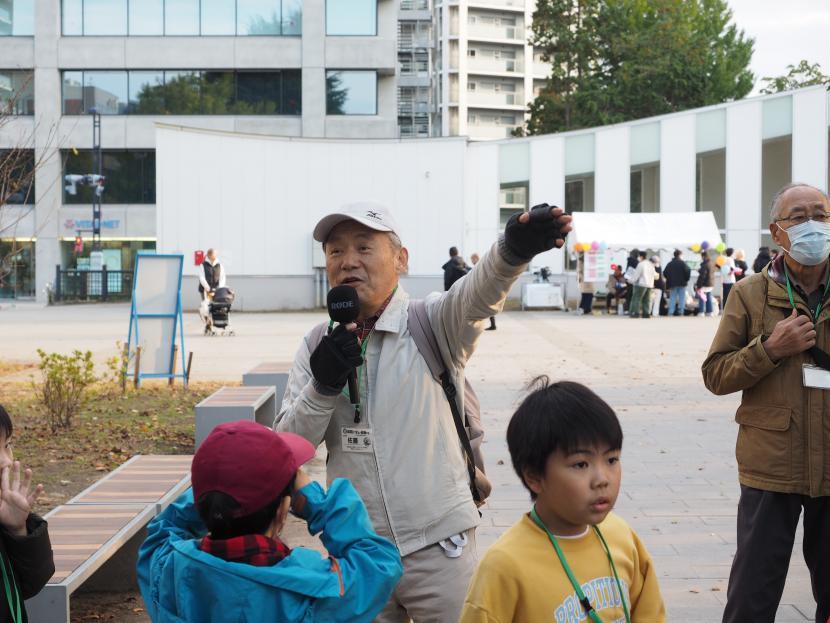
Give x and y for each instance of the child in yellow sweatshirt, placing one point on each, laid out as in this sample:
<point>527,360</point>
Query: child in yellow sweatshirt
<point>569,560</point>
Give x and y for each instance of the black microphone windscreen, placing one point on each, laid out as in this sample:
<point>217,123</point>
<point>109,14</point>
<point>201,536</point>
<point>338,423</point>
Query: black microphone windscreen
<point>343,304</point>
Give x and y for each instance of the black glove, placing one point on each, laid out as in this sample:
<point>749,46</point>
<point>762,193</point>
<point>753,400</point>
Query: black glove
<point>335,358</point>
<point>539,234</point>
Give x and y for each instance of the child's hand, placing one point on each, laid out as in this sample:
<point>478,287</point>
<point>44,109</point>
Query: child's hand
<point>15,500</point>
<point>297,499</point>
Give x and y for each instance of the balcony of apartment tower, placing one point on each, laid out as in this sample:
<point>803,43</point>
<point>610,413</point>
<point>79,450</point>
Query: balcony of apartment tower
<point>496,27</point>
<point>495,60</point>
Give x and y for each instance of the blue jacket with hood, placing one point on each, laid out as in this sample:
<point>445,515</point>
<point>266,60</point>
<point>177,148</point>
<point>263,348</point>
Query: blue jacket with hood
<point>182,584</point>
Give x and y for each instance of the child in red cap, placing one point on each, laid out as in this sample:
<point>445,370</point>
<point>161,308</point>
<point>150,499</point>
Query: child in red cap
<point>215,554</point>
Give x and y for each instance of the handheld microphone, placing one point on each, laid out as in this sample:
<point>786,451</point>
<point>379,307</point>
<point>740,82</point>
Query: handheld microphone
<point>344,306</point>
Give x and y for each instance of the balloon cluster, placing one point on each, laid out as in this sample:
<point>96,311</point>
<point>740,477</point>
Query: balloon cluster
<point>590,246</point>
<point>721,259</point>
<point>705,246</point>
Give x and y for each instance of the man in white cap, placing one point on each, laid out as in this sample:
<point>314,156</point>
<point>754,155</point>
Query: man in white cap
<point>400,448</point>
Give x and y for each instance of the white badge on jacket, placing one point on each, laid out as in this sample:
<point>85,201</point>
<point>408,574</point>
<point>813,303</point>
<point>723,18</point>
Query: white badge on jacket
<point>815,376</point>
<point>355,439</point>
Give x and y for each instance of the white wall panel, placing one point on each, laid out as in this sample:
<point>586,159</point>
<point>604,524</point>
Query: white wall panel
<point>743,174</point>
<point>677,164</point>
<point>257,199</point>
<point>810,137</point>
<point>547,185</point>
<point>613,170</point>
<point>481,200</point>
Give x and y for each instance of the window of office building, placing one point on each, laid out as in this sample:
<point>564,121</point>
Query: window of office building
<point>218,17</point>
<point>352,17</point>
<point>17,18</point>
<point>182,92</point>
<point>130,176</point>
<point>512,200</point>
<point>351,92</point>
<point>17,95</point>
<point>179,17</point>
<point>17,177</point>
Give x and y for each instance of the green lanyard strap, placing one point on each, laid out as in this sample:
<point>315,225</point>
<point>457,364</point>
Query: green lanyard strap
<point>792,298</point>
<point>361,370</point>
<point>586,603</point>
<point>8,585</point>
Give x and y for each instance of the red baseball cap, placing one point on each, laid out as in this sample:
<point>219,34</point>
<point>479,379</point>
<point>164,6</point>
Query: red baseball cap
<point>249,462</point>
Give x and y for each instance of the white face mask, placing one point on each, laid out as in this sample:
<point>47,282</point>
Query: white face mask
<point>809,242</point>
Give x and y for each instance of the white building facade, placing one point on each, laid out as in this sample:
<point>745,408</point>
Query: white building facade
<point>296,68</point>
<point>727,159</point>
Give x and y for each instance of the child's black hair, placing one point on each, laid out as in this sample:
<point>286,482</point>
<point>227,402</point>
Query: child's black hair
<point>217,511</point>
<point>562,416</point>
<point>6,426</point>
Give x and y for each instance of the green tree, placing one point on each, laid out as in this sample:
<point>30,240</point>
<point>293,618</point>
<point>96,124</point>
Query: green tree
<point>802,75</point>
<point>617,60</point>
<point>336,94</point>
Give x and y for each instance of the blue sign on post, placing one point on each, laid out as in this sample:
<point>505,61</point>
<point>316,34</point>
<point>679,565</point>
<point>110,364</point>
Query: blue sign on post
<point>156,315</point>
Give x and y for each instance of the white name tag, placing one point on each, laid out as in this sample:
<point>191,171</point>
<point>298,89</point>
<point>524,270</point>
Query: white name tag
<point>814,376</point>
<point>356,439</point>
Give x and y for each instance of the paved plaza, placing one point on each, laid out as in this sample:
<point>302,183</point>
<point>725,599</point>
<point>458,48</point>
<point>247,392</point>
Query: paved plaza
<point>680,486</point>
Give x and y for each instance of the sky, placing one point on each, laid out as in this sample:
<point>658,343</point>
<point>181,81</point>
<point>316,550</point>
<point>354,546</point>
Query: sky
<point>785,31</point>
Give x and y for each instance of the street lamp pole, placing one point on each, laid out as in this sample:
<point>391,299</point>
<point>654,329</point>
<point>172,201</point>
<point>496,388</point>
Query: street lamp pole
<point>98,169</point>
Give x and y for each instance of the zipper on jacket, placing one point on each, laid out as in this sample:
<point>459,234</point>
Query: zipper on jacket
<point>375,455</point>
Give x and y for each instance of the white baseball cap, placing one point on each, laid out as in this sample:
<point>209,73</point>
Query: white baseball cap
<point>373,215</point>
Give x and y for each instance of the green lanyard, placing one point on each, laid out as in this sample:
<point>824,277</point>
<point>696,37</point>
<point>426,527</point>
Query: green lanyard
<point>361,370</point>
<point>792,299</point>
<point>8,585</point>
<point>586,604</point>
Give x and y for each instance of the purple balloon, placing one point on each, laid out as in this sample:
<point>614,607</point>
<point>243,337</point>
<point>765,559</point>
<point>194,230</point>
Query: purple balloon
<point>704,245</point>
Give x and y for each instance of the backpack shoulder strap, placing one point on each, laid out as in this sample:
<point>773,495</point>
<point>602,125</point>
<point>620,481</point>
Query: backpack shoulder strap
<point>424,337</point>
<point>422,333</point>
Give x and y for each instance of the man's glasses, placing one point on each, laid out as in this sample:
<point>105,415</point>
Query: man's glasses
<point>800,219</point>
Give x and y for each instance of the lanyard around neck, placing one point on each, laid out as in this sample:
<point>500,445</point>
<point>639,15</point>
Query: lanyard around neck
<point>8,585</point>
<point>580,594</point>
<point>792,298</point>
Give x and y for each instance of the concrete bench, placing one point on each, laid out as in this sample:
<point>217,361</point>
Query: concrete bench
<point>228,404</point>
<point>96,535</point>
<point>269,373</point>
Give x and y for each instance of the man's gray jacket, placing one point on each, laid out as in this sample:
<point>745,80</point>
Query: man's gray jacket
<point>412,475</point>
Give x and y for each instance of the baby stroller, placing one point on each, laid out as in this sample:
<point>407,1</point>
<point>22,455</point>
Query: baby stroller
<point>218,310</point>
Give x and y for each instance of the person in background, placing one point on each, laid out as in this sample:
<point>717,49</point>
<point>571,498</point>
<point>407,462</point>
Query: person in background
<point>474,258</point>
<point>728,277</point>
<point>630,263</point>
<point>617,289</point>
<point>643,279</point>
<point>454,269</point>
<point>741,268</point>
<point>677,274</point>
<point>705,284</point>
<point>658,298</point>
<point>586,289</point>
<point>25,549</point>
<point>763,258</point>
<point>211,274</point>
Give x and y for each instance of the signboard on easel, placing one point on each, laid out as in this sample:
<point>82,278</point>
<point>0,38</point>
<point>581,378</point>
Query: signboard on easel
<point>155,317</point>
<point>596,266</point>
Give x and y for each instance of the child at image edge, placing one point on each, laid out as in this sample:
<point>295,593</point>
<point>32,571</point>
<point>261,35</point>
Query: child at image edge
<point>565,444</point>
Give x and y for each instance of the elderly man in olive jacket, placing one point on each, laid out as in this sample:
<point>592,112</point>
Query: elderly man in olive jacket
<point>775,323</point>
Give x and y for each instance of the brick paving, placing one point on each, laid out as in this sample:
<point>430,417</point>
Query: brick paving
<point>680,486</point>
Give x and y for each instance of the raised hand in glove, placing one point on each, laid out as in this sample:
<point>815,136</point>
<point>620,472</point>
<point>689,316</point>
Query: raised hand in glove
<point>541,229</point>
<point>335,358</point>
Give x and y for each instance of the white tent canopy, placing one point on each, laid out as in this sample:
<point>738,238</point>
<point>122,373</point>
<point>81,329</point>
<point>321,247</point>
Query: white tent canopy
<point>657,231</point>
